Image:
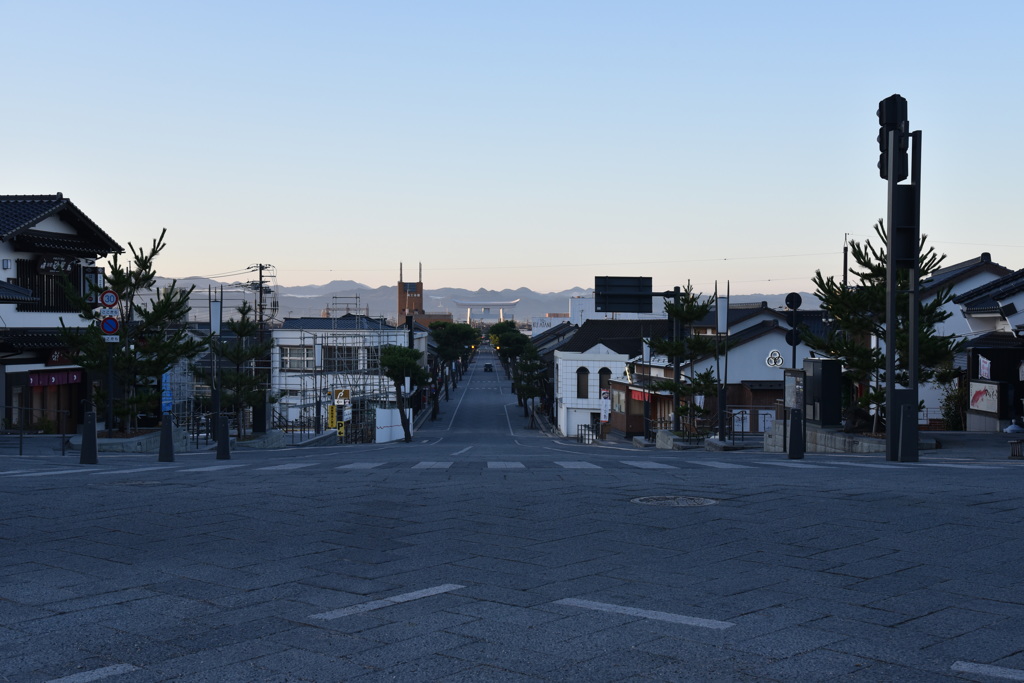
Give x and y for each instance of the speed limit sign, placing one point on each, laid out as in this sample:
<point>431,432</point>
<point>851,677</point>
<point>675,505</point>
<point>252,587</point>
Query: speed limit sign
<point>109,298</point>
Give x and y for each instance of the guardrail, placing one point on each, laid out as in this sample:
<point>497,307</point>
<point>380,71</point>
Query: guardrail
<point>26,423</point>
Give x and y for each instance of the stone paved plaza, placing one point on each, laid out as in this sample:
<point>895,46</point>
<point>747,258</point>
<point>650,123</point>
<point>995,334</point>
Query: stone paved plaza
<point>484,551</point>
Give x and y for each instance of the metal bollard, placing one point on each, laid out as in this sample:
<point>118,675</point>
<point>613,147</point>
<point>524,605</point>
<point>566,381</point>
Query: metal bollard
<point>88,454</point>
<point>166,440</point>
<point>796,434</point>
<point>223,441</point>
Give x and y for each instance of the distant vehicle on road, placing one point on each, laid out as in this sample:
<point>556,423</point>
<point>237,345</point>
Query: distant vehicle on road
<point>488,367</point>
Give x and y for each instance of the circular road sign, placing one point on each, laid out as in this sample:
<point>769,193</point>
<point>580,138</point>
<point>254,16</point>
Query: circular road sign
<point>109,298</point>
<point>109,325</point>
<point>793,301</point>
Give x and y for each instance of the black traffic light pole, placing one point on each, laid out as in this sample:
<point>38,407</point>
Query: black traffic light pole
<point>903,224</point>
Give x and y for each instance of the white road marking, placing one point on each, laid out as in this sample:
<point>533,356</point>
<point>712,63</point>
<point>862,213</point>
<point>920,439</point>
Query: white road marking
<point>96,674</point>
<point>50,472</point>
<point>795,465</point>
<point>646,613</point>
<point>462,451</point>
<point>387,602</point>
<point>359,466</point>
<point>495,465</point>
<point>649,465</point>
<point>576,465</point>
<point>428,465</point>
<point>877,465</point>
<point>289,466</point>
<point>989,670</point>
<point>137,469</point>
<point>720,465</point>
<point>962,467</point>
<point>212,468</point>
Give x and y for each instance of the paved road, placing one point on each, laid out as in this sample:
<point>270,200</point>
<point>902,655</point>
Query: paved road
<point>487,551</point>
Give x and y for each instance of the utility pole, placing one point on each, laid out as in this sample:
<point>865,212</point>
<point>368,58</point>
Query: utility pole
<point>259,418</point>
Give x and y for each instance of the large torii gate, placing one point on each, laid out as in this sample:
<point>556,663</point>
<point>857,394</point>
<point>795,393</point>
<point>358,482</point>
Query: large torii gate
<point>486,306</point>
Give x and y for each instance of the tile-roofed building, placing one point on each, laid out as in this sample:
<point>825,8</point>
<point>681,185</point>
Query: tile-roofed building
<point>46,243</point>
<point>20,215</point>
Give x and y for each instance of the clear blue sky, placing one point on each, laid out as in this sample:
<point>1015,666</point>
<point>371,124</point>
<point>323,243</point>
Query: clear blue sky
<point>506,144</point>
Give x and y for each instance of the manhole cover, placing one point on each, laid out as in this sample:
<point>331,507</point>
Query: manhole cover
<point>674,501</point>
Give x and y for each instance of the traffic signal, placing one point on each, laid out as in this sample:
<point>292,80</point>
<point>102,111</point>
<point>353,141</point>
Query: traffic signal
<point>892,115</point>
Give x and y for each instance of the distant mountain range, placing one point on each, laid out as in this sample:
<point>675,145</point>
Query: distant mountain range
<point>341,296</point>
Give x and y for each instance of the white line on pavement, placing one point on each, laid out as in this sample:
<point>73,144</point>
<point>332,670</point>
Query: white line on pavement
<point>289,466</point>
<point>962,467</point>
<point>96,674</point>
<point>870,464</point>
<point>49,472</point>
<point>721,465</point>
<point>989,670</point>
<point>795,465</point>
<point>577,465</point>
<point>646,613</point>
<point>387,602</point>
<point>462,451</point>
<point>498,465</point>
<point>212,468</point>
<point>428,465</point>
<point>359,466</point>
<point>649,465</point>
<point>136,469</point>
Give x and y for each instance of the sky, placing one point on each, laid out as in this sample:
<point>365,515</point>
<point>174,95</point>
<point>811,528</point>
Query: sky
<point>513,144</point>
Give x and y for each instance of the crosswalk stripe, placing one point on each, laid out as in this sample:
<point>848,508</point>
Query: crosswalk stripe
<point>962,467</point>
<point>719,464</point>
<point>212,468</point>
<point>360,466</point>
<point>495,465</point>
<point>649,465</point>
<point>50,472</point>
<point>136,469</point>
<point>289,466</point>
<point>427,465</point>
<point>577,465</point>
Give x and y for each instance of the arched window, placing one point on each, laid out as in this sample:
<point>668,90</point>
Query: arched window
<point>604,378</point>
<point>583,383</point>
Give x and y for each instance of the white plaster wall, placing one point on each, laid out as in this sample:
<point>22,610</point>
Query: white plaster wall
<point>574,411</point>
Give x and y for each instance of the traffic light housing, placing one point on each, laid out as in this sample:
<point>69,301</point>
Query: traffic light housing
<point>892,115</point>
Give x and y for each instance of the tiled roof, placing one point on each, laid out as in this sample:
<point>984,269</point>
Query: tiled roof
<point>346,322</point>
<point>990,340</point>
<point>20,213</point>
<point>950,275</point>
<point>31,338</point>
<point>621,336</point>
<point>984,299</point>
<point>13,294</point>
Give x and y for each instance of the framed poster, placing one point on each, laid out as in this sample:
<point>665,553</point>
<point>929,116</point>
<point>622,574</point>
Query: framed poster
<point>984,397</point>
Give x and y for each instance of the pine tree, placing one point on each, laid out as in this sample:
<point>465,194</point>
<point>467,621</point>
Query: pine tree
<point>240,383</point>
<point>151,337</point>
<point>858,320</point>
<point>687,349</point>
<point>531,372</point>
<point>399,363</point>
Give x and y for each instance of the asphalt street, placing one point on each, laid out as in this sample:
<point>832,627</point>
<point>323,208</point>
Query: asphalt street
<point>488,551</point>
